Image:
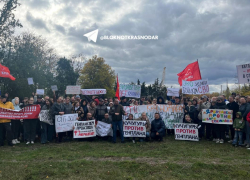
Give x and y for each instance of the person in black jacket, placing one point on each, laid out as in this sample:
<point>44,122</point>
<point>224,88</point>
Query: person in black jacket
<point>160,100</point>
<point>232,105</point>
<point>124,101</point>
<point>157,128</point>
<point>58,109</point>
<point>220,128</point>
<point>101,110</point>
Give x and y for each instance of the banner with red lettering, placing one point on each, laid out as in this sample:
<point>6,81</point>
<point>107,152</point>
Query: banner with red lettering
<point>84,129</point>
<point>29,112</point>
<point>185,131</point>
<point>195,87</point>
<point>134,128</point>
<point>93,91</point>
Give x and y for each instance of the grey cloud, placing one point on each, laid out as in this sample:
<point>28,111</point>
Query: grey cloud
<point>36,22</point>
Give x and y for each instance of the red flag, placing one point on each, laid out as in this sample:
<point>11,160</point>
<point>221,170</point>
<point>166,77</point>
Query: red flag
<point>117,94</point>
<point>190,73</point>
<point>5,72</point>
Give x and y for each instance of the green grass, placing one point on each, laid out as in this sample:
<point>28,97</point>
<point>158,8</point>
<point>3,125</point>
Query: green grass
<point>103,160</point>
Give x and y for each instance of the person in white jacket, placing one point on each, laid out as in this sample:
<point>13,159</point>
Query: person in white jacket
<point>15,124</point>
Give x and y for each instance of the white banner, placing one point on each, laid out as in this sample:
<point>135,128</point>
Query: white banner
<point>64,123</point>
<point>73,89</point>
<point>54,88</point>
<point>185,131</point>
<point>129,90</point>
<point>84,129</point>
<point>93,91</point>
<point>170,114</point>
<point>195,87</point>
<point>243,72</point>
<point>103,129</point>
<point>134,128</point>
<point>173,92</point>
<point>30,81</point>
<point>45,117</point>
<point>217,116</point>
<point>40,91</point>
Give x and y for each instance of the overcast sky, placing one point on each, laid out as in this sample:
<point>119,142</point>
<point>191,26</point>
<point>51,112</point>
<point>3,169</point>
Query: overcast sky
<point>217,32</point>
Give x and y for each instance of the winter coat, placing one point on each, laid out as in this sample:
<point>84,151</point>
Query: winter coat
<point>68,108</point>
<point>100,112</point>
<point>244,115</point>
<point>56,108</point>
<point>233,106</point>
<point>116,109</point>
<point>6,105</point>
<point>242,109</point>
<point>157,125</point>
<point>108,121</point>
<point>239,123</point>
<point>158,102</point>
<point>92,111</point>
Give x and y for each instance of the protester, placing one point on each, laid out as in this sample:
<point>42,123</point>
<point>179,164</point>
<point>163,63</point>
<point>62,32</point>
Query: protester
<point>29,126</point>
<point>45,126</point>
<point>101,109</point>
<point>142,100</point>
<point>247,127</point>
<point>5,124</point>
<point>144,117</point>
<point>89,117</point>
<point>190,109</point>
<point>157,128</point>
<point>188,119</point>
<point>160,100</point>
<point>78,110</point>
<point>131,117</point>
<point>116,112</point>
<point>92,108</point>
<point>154,101</point>
<point>78,99</point>
<point>15,124</point>
<point>107,119</point>
<point>68,106</point>
<point>238,125</point>
<point>84,107</point>
<point>124,101</point>
<point>106,103</point>
<point>232,105</point>
<point>149,101</point>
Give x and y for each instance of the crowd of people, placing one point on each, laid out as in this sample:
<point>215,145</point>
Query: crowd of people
<point>111,111</point>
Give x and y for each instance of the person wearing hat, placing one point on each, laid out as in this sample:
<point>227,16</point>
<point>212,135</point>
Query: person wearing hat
<point>5,123</point>
<point>204,104</point>
<point>124,101</point>
<point>101,110</point>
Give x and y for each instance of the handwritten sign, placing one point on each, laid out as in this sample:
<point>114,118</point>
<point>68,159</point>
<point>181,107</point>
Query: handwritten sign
<point>103,129</point>
<point>173,92</point>
<point>65,122</point>
<point>129,90</point>
<point>188,132</point>
<point>170,114</point>
<point>73,89</point>
<point>93,91</point>
<point>40,91</point>
<point>195,87</point>
<point>243,72</point>
<point>84,129</point>
<point>217,116</point>
<point>134,128</point>
<point>45,117</point>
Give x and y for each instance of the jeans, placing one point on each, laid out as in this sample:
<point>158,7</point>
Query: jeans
<point>44,132</point>
<point>51,133</point>
<point>201,129</point>
<point>7,127</point>
<point>237,134</point>
<point>120,126</point>
<point>29,126</point>
<point>15,127</point>
<point>247,128</point>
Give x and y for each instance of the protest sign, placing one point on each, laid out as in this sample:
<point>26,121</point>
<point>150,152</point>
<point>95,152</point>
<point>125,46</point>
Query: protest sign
<point>130,90</point>
<point>173,92</point>
<point>30,81</point>
<point>170,114</point>
<point>217,116</point>
<point>185,131</point>
<point>40,91</point>
<point>65,122</point>
<point>45,117</point>
<point>84,129</point>
<point>134,128</point>
<point>195,87</point>
<point>103,129</point>
<point>243,72</point>
<point>73,89</point>
<point>54,88</point>
<point>93,91</point>
<point>29,112</point>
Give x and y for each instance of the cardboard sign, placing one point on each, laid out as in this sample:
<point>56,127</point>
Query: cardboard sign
<point>170,114</point>
<point>73,89</point>
<point>129,90</point>
<point>187,132</point>
<point>195,87</point>
<point>93,91</point>
<point>40,91</point>
<point>134,128</point>
<point>45,117</point>
<point>54,88</point>
<point>65,122</point>
<point>243,72</point>
<point>103,129</point>
<point>217,116</point>
<point>30,81</point>
<point>84,129</point>
<point>173,92</point>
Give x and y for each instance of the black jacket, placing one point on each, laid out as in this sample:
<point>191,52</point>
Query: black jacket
<point>56,108</point>
<point>247,111</point>
<point>221,106</point>
<point>157,125</point>
<point>116,109</point>
<point>233,106</point>
<point>100,112</point>
<point>242,109</point>
<point>158,102</point>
